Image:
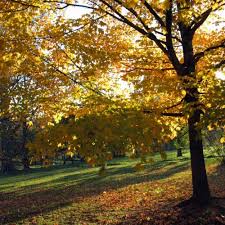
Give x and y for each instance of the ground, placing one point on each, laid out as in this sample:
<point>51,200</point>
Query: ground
<point>77,194</point>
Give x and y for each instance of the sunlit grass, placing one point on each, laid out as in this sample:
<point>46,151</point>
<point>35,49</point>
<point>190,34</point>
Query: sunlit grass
<point>70,194</point>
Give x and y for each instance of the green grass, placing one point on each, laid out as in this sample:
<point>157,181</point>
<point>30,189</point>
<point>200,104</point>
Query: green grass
<point>64,194</point>
<point>65,175</point>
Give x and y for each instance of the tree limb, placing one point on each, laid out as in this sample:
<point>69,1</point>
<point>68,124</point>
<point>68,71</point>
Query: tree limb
<point>169,41</point>
<point>199,55</point>
<point>153,12</point>
<point>164,114</point>
<point>147,69</point>
<point>200,20</point>
<point>134,13</point>
<point>150,35</point>
<point>220,64</point>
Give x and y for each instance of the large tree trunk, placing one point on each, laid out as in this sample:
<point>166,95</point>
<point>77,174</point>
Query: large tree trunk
<point>201,193</point>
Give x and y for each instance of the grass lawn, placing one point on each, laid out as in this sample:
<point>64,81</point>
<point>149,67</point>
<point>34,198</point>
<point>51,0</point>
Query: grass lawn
<point>77,194</point>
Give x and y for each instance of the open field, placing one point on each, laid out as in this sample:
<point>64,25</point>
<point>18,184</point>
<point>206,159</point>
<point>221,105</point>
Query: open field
<point>79,195</point>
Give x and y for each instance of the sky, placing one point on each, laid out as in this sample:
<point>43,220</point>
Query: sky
<point>75,12</point>
<point>220,75</point>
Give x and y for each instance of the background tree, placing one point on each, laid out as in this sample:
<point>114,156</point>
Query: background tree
<point>9,146</point>
<point>96,138</point>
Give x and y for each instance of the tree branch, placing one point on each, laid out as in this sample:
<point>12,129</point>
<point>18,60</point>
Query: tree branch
<point>169,41</point>
<point>134,13</point>
<point>164,114</point>
<point>123,19</point>
<point>220,64</point>
<point>147,69</point>
<point>200,20</point>
<point>178,114</point>
<point>203,17</point>
<point>173,114</point>
<point>153,12</point>
<point>199,55</point>
<point>175,105</point>
<point>69,76</point>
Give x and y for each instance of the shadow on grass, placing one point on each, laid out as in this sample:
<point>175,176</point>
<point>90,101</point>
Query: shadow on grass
<point>59,192</point>
<point>191,214</point>
<point>217,181</point>
<point>40,172</point>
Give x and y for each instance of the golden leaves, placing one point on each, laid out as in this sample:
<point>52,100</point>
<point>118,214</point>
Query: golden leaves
<point>131,3</point>
<point>222,140</point>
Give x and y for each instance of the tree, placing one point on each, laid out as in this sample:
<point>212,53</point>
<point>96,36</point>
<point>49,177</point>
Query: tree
<point>21,105</point>
<point>9,144</point>
<point>8,129</point>
<point>174,28</point>
<point>96,138</point>
<point>26,100</point>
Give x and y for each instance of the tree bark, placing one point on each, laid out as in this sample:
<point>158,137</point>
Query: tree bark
<point>179,146</point>
<point>25,155</point>
<point>26,163</point>
<point>201,193</point>
<point>179,152</point>
<point>7,166</point>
